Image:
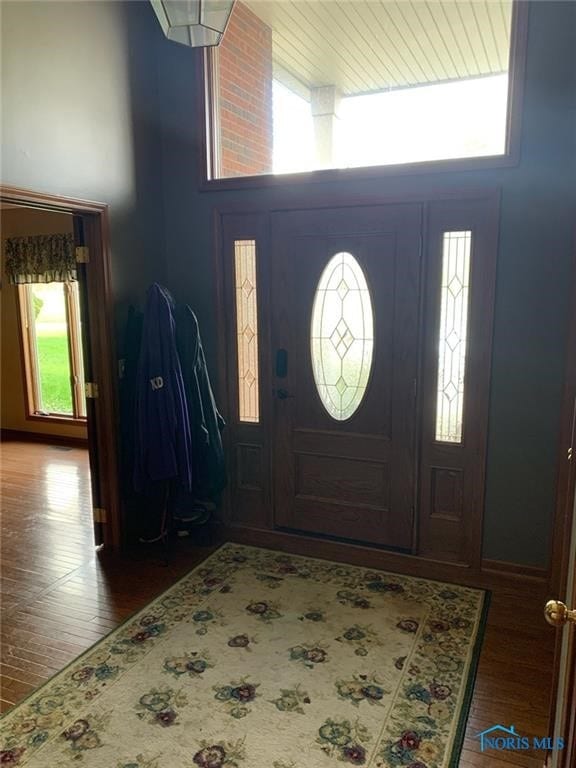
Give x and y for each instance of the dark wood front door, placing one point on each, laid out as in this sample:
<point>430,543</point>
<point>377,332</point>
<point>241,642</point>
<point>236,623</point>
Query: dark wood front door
<point>345,294</point>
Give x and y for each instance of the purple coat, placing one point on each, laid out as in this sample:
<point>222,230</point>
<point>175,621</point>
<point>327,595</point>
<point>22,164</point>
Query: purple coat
<point>163,442</point>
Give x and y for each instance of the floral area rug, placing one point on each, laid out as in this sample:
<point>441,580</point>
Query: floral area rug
<point>257,659</point>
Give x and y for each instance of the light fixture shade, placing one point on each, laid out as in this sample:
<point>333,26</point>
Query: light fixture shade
<point>197,23</point>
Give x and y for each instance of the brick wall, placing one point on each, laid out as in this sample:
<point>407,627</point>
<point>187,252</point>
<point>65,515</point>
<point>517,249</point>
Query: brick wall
<point>245,95</point>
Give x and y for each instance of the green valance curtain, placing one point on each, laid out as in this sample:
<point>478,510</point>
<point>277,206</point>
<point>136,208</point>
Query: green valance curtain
<point>40,259</point>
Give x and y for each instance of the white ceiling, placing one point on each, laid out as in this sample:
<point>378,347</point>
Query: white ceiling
<point>362,46</point>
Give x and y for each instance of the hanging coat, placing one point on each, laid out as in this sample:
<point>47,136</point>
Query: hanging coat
<point>206,423</point>
<point>162,434</point>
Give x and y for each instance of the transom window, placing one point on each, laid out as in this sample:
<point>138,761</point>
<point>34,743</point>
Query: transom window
<point>307,86</point>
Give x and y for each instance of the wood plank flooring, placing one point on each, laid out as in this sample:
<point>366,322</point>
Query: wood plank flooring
<point>59,597</point>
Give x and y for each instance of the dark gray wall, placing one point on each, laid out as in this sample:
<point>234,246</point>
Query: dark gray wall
<point>80,118</point>
<point>534,268</point>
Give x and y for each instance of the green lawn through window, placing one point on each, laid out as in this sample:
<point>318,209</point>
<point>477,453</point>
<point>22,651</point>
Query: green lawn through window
<point>54,367</point>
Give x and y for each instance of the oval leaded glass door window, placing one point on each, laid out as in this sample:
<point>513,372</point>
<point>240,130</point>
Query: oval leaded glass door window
<point>342,336</point>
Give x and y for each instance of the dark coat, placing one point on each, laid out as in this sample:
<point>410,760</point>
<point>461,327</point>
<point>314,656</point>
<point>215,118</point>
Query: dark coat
<point>206,423</point>
<point>163,445</point>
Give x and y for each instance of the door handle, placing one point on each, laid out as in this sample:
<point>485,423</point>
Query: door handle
<point>557,614</point>
<point>281,363</point>
<point>283,394</point>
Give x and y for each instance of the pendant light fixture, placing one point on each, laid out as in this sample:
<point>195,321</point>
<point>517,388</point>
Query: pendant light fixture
<point>197,23</point>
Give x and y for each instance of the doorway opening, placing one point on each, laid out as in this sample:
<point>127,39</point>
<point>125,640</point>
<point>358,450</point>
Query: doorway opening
<point>58,399</point>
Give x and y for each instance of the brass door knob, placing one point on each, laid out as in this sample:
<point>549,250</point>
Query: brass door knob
<point>557,614</point>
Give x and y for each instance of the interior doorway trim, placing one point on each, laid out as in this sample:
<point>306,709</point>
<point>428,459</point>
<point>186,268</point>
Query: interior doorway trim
<point>94,217</point>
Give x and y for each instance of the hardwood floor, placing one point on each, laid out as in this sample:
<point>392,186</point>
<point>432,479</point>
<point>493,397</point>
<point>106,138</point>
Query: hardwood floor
<point>513,684</point>
<point>59,597</point>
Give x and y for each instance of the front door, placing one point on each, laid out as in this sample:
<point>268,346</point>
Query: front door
<point>345,295</point>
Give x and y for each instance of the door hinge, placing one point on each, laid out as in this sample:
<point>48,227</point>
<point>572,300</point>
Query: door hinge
<point>99,514</point>
<point>91,390</point>
<point>570,453</point>
<point>82,254</point>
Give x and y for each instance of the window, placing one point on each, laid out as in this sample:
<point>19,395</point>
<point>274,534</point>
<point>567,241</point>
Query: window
<point>453,332</point>
<point>50,314</point>
<point>247,330</point>
<point>307,86</point>
<point>342,336</point>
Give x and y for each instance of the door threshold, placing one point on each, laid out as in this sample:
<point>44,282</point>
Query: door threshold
<point>343,540</point>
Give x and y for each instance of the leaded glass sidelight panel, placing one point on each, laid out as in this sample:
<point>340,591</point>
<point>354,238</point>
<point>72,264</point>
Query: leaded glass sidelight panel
<point>247,330</point>
<point>453,332</point>
<point>342,336</point>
